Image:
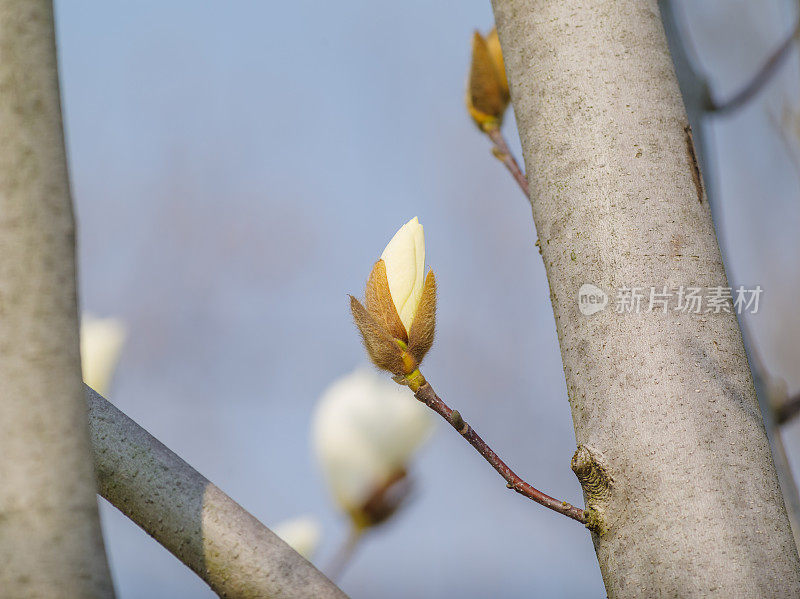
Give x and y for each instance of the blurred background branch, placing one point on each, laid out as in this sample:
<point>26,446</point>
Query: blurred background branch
<point>344,553</point>
<point>695,85</point>
<point>786,408</point>
<point>760,79</point>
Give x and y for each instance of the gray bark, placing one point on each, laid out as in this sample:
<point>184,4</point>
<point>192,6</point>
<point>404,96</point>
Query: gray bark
<point>50,539</point>
<point>204,528</point>
<point>674,460</point>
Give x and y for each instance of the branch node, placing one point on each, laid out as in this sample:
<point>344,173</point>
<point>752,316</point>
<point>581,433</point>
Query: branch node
<point>458,422</point>
<point>594,520</point>
<point>596,482</point>
<point>592,474</point>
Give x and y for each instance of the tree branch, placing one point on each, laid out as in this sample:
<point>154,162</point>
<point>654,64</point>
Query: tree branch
<point>204,528</point>
<point>760,79</point>
<point>695,86</point>
<point>428,396</point>
<point>663,402</point>
<point>51,543</point>
<point>504,155</point>
<point>345,552</point>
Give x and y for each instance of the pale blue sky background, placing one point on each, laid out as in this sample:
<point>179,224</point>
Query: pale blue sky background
<point>238,166</point>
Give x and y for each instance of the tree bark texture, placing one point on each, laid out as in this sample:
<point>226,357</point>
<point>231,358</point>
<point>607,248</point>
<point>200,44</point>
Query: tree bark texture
<point>204,528</point>
<point>672,452</point>
<point>50,539</point>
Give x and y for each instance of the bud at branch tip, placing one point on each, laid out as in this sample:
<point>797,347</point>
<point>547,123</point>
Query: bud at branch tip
<point>398,318</point>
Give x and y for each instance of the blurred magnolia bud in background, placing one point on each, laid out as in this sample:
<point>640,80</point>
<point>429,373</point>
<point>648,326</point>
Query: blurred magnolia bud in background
<point>365,432</point>
<point>399,320</point>
<point>101,344</point>
<point>301,534</point>
<point>487,86</point>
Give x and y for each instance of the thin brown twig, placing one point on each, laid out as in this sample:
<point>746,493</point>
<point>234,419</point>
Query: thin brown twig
<point>344,554</point>
<point>428,396</point>
<point>504,155</point>
<point>761,77</point>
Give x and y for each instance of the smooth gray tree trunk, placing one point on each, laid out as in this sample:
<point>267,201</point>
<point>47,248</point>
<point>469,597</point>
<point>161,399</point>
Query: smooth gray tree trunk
<point>673,457</point>
<point>50,539</point>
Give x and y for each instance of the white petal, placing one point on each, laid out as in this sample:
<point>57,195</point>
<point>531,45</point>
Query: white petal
<point>366,428</point>
<point>101,344</point>
<point>301,534</point>
<point>404,258</point>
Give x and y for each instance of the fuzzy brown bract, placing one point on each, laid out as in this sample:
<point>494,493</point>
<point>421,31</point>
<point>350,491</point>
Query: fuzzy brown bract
<point>380,305</point>
<point>388,344</point>
<point>487,86</point>
<point>381,347</point>
<point>423,327</point>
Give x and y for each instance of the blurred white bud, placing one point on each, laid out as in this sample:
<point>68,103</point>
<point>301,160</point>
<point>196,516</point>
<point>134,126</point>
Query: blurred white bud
<point>365,431</point>
<point>101,344</point>
<point>301,534</point>
<point>404,258</point>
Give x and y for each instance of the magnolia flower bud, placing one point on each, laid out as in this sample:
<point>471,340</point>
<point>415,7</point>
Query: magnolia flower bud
<point>365,432</point>
<point>487,86</point>
<point>399,320</point>
<point>101,344</point>
<point>301,534</point>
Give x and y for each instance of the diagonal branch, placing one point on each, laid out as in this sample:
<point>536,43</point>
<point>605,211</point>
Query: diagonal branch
<point>204,528</point>
<point>427,395</point>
